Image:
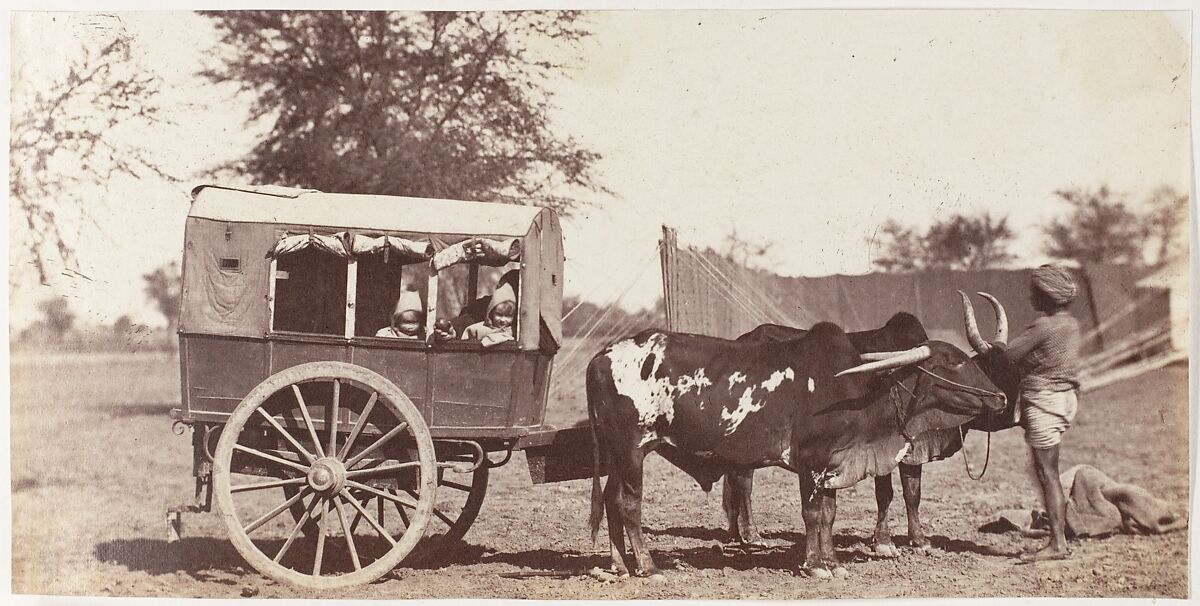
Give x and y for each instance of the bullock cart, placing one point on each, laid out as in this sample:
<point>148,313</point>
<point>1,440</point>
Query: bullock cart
<point>331,452</point>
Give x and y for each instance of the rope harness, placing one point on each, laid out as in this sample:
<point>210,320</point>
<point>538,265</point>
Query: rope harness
<point>961,435</point>
<point>898,408</point>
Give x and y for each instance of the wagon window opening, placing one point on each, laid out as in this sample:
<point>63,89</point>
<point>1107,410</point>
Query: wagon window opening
<point>464,305</point>
<point>378,288</point>
<point>310,292</point>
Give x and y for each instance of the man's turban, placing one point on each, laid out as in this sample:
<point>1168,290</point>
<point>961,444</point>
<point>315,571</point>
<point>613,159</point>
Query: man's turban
<point>1056,283</point>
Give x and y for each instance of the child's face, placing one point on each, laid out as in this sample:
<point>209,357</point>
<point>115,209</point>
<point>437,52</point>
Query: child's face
<point>502,315</point>
<point>407,322</point>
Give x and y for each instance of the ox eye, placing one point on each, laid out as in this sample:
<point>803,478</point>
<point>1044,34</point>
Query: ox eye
<point>959,365</point>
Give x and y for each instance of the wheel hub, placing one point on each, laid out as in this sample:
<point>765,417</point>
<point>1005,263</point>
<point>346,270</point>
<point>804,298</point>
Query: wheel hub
<point>327,476</point>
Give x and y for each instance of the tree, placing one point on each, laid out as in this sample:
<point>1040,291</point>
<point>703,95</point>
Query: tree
<point>437,104</point>
<point>743,252</point>
<point>969,243</point>
<point>902,248</point>
<point>164,287</point>
<point>1099,228</point>
<point>65,138</point>
<point>958,242</point>
<point>122,326</point>
<point>1166,213</point>
<point>57,316</point>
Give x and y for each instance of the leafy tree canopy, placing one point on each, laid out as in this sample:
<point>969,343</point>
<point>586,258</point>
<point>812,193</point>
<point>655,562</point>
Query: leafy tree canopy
<point>957,242</point>
<point>437,104</point>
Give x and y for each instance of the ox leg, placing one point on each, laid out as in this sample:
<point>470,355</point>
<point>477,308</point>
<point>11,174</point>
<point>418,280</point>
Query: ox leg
<point>735,499</point>
<point>630,503</point>
<point>883,545</point>
<point>910,481</point>
<point>811,504</point>
<point>616,523</point>
<point>828,500</point>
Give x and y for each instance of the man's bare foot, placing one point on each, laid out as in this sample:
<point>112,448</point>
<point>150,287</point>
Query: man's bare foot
<point>1049,552</point>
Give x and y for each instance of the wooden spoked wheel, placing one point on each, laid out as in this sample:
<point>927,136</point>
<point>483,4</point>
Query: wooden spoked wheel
<point>377,447</point>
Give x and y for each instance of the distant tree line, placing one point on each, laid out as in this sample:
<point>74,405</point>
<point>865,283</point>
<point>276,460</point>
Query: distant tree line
<point>1097,226</point>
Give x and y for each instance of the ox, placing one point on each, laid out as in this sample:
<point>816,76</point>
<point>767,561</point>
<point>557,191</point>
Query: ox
<point>711,406</point>
<point>902,331</point>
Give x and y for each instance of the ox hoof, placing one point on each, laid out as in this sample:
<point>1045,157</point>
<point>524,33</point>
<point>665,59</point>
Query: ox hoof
<point>817,573</point>
<point>923,548</point>
<point>885,550</point>
<point>840,572</point>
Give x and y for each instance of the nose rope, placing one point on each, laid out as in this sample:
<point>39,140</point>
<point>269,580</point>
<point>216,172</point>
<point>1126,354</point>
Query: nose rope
<point>962,438</point>
<point>967,388</point>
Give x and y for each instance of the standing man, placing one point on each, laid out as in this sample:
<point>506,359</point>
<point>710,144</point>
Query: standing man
<point>1047,354</point>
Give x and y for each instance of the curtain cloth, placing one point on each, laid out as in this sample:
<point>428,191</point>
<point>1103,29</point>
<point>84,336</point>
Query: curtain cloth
<point>337,244</point>
<point>484,251</point>
<point>409,251</point>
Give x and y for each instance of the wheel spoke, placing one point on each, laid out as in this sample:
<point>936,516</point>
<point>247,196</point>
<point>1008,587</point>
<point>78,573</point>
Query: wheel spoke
<point>370,471</point>
<point>403,514</point>
<point>443,517</point>
<point>455,485</point>
<point>287,436</point>
<point>363,512</point>
<point>358,426</point>
<point>296,531</point>
<point>270,515</point>
<point>332,419</point>
<point>395,498</point>
<point>387,437</point>
<point>272,458</point>
<point>262,485</point>
<point>358,516</point>
<point>341,513</point>
<point>312,431</point>
<point>321,538</point>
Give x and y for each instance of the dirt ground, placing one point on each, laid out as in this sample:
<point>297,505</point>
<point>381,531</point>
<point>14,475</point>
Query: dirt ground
<point>95,465</point>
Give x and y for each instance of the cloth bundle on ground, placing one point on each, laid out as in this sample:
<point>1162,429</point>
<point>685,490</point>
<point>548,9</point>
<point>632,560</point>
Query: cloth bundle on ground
<point>1097,506</point>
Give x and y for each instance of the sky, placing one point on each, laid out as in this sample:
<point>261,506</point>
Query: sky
<point>802,129</point>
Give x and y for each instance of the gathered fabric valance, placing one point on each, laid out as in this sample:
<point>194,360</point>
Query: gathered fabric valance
<point>337,244</point>
<point>390,246</point>
<point>484,251</point>
<point>347,245</point>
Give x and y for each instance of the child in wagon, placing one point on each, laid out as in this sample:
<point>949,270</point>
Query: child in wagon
<point>407,319</point>
<point>500,322</point>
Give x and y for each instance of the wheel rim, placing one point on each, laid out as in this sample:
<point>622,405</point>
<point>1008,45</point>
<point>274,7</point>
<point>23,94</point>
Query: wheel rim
<point>460,496</point>
<point>381,450</point>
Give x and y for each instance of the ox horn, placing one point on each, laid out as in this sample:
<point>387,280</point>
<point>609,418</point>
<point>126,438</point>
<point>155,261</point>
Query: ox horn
<point>895,359</point>
<point>973,337</point>
<point>1001,318</point>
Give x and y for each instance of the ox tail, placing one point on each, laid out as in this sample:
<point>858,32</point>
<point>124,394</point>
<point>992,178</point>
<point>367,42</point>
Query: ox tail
<point>593,396</point>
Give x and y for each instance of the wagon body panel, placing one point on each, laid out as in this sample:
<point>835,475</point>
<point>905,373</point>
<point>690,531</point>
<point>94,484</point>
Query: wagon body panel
<point>461,391</point>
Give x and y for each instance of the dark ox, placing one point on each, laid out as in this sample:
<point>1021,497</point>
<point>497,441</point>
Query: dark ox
<point>712,406</point>
<point>901,331</point>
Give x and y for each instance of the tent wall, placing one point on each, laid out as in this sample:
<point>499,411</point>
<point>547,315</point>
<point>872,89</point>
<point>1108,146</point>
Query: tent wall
<point>708,294</point>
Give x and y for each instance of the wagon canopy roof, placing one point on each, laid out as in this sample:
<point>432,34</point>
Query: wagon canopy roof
<point>360,211</point>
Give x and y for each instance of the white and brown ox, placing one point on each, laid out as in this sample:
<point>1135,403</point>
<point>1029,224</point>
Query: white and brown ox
<point>903,330</point>
<point>712,406</point>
